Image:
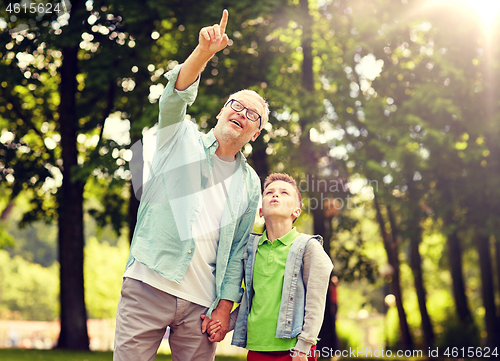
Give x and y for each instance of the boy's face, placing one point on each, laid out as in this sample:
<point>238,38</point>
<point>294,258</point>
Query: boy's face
<point>280,200</point>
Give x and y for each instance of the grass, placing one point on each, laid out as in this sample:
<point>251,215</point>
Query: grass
<point>8,354</point>
<point>11,354</point>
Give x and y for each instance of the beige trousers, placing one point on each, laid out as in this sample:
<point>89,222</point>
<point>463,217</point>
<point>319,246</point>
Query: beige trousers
<point>142,317</point>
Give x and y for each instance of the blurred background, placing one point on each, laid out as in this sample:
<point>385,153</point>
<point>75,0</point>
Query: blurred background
<point>386,112</point>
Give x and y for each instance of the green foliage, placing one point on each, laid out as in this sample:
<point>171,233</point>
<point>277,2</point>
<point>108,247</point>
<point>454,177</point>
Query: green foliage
<point>349,334</point>
<point>106,203</point>
<point>35,242</point>
<point>6,239</point>
<point>352,261</point>
<point>103,271</point>
<point>355,248</point>
<point>455,335</point>
<point>27,291</point>
<point>392,334</point>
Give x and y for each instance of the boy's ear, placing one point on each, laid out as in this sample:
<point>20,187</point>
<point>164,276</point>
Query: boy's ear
<point>260,213</point>
<point>296,213</point>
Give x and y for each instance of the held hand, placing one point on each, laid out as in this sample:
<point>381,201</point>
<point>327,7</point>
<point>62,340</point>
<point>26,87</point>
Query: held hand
<point>214,38</point>
<point>299,356</point>
<point>222,314</point>
<point>212,327</point>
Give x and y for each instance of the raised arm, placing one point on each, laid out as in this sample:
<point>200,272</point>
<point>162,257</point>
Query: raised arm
<point>211,40</point>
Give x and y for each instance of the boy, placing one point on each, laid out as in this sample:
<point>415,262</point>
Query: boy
<point>286,278</point>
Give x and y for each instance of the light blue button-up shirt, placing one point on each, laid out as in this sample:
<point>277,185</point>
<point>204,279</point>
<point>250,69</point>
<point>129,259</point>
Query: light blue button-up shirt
<point>172,199</point>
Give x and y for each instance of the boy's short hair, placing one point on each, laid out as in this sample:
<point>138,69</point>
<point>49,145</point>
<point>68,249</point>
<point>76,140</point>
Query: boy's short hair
<point>273,177</point>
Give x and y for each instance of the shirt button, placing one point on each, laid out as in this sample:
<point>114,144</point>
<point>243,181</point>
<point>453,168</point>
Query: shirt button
<point>190,251</point>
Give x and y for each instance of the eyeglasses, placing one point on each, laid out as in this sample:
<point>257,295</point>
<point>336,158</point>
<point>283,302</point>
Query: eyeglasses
<point>250,114</point>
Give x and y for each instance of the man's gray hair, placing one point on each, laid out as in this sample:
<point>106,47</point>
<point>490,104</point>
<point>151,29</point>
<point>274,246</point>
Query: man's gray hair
<point>263,102</point>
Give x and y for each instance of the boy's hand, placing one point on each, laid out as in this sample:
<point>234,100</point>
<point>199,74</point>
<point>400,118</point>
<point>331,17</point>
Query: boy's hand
<point>212,327</point>
<point>221,314</point>
<point>214,38</point>
<point>299,356</point>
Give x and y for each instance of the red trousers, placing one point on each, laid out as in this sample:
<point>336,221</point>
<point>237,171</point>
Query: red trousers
<point>277,355</point>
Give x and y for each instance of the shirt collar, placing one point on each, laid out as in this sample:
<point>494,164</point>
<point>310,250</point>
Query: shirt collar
<point>287,239</point>
<point>209,141</point>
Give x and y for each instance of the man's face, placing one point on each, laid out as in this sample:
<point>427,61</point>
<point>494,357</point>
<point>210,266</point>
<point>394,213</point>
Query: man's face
<point>233,126</point>
<point>280,200</point>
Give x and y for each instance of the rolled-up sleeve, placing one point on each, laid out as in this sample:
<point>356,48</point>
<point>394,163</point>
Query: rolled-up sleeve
<point>173,106</point>
<point>173,102</point>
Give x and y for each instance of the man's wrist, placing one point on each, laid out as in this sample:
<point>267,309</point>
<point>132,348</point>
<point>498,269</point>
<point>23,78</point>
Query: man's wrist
<point>203,54</point>
<point>225,305</point>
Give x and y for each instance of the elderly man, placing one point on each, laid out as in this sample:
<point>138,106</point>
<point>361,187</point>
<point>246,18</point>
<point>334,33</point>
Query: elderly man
<point>197,210</point>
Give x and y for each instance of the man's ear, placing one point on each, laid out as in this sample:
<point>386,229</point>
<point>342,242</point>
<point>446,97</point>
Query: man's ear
<point>218,115</point>
<point>255,136</point>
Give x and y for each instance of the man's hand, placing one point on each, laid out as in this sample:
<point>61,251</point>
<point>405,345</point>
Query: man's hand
<point>211,40</point>
<point>214,38</point>
<point>221,314</point>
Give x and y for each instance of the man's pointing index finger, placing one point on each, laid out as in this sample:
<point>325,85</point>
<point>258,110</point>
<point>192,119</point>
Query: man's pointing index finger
<point>223,22</point>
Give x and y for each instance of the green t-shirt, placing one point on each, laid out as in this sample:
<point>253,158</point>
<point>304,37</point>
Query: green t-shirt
<point>268,274</point>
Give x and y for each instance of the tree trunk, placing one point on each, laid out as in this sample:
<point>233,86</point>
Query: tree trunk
<point>488,290</point>
<point>327,334</point>
<point>455,259</point>
<point>135,194</point>
<point>70,197</point>
<point>306,44</point>
<point>322,223</point>
<point>391,249</point>
<point>497,253</point>
<point>416,266</point>
<point>73,333</point>
<point>415,235</point>
<point>133,208</point>
<point>258,158</point>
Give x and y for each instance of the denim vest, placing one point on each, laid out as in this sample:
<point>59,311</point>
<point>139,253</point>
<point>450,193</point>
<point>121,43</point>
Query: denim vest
<point>293,297</point>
